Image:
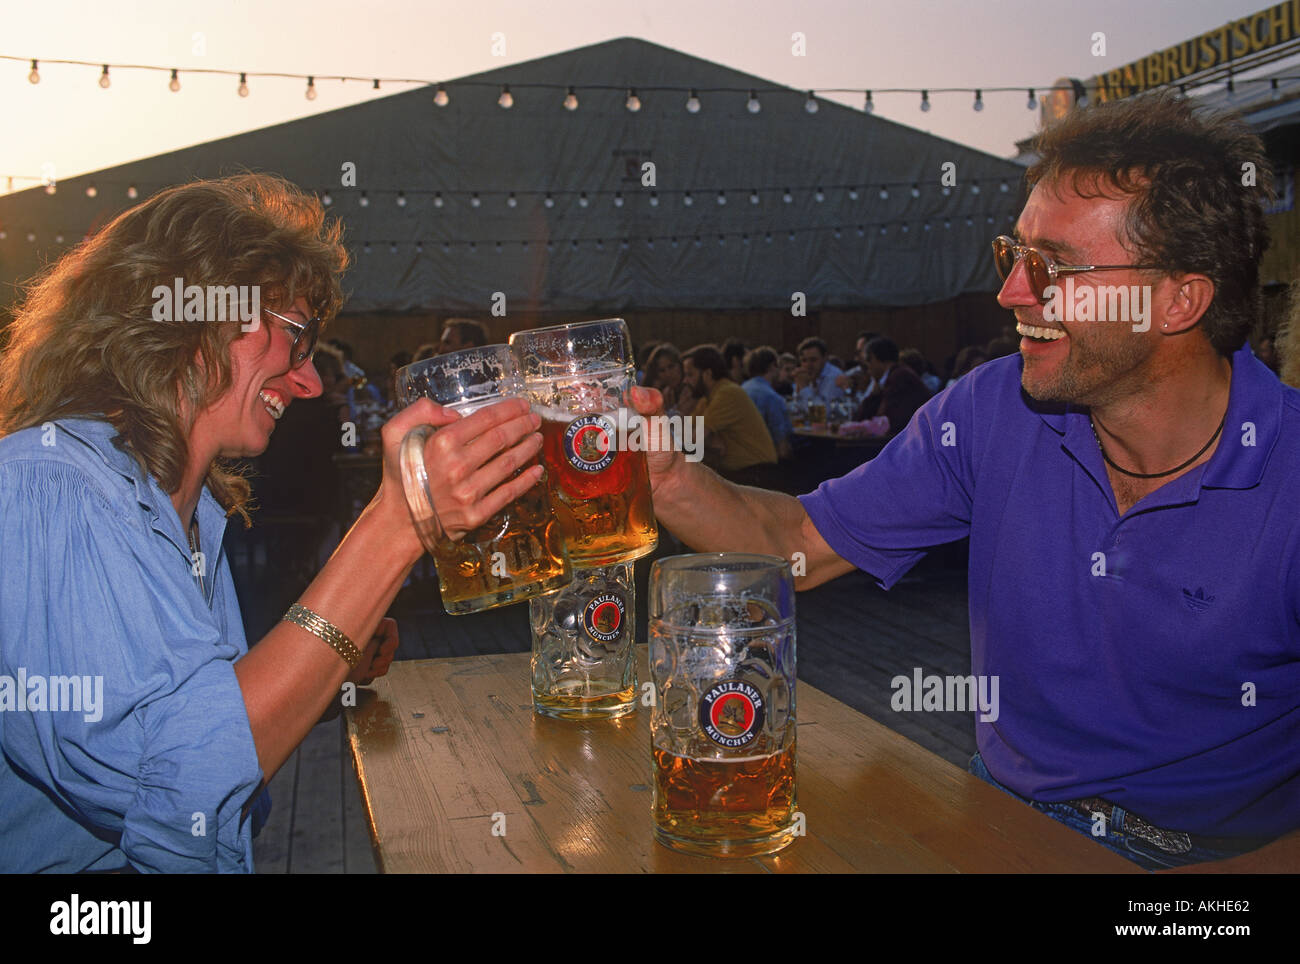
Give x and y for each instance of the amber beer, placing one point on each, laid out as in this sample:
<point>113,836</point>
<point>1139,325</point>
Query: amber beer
<point>714,801</point>
<point>600,491</point>
<point>519,552</point>
<point>516,554</point>
<point>578,377</point>
<point>722,728</point>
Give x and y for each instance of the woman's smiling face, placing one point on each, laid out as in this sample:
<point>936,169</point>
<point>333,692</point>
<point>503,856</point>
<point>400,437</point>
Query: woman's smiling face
<point>263,384</point>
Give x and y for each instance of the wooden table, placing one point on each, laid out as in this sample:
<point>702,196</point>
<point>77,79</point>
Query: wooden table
<point>449,750</point>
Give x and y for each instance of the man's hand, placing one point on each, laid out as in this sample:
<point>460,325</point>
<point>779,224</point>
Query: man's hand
<point>663,456</point>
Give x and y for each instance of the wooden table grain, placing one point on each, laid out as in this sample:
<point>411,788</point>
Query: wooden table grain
<point>458,775</point>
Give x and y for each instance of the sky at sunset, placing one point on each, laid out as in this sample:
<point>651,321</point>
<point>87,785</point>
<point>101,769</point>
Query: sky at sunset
<point>68,125</point>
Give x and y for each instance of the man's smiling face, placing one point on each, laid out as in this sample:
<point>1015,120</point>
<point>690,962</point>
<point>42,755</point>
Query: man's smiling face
<point>1093,362</point>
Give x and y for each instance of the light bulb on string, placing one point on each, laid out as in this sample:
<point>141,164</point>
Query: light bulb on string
<point>35,76</point>
<point>925,100</point>
<point>974,187</point>
<point>401,199</point>
<point>571,100</point>
<point>722,197</point>
<point>633,102</point>
<point>375,86</point>
<point>242,90</point>
<point>787,197</point>
<point>618,199</point>
<point>132,192</point>
<point>310,92</point>
<point>512,201</point>
<point>419,247</point>
<point>364,200</point>
<point>440,98</point>
<point>916,191</point>
<point>1004,187</point>
<point>810,105</point>
<point>819,195</point>
<point>1274,93</point>
<point>91,190</point>
<point>174,85</point>
<point>582,199</point>
<point>51,187</point>
<point>437,199</point>
<point>1032,102</point>
<point>869,106</point>
<point>687,199</point>
<point>104,80</point>
<point>326,199</point>
<point>549,201</point>
<point>693,102</point>
<point>753,197</point>
<point>884,193</point>
<point>979,101</point>
<point>474,200</point>
<point>392,248</point>
<point>853,194</point>
<point>506,100</point>
<point>862,231</point>
<point>752,105</point>
<point>654,199</point>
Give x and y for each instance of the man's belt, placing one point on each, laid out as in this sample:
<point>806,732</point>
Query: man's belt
<point>1175,842</point>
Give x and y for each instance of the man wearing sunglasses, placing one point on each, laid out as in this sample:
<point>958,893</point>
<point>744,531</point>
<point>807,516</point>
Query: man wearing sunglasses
<point>1126,488</point>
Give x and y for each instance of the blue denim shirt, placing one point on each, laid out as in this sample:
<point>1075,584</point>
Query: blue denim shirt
<point>97,582</point>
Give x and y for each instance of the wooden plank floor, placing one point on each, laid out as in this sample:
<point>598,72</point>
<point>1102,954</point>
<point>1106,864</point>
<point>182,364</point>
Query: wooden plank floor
<point>853,640</point>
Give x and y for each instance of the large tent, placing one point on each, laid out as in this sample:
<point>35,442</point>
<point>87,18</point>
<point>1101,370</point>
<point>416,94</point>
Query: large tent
<point>737,208</point>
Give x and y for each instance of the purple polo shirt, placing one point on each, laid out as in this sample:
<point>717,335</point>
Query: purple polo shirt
<point>1153,658</point>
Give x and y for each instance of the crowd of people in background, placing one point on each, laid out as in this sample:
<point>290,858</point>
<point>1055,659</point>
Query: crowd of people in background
<point>741,391</point>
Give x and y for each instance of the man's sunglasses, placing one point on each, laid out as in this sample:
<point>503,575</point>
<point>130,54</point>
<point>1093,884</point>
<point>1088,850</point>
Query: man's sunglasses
<point>304,337</point>
<point>1041,270</point>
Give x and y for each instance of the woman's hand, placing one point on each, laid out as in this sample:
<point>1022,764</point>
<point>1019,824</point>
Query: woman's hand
<point>471,461</point>
<point>377,655</point>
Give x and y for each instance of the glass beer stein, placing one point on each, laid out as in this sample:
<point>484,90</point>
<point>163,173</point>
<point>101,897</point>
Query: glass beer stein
<point>584,663</point>
<point>519,552</point>
<point>578,377</point>
<point>722,730</point>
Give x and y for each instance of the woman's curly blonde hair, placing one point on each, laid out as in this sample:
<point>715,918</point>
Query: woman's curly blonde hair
<point>85,342</point>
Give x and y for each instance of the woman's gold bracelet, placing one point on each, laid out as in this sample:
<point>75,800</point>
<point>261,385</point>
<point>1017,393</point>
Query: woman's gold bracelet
<point>334,637</point>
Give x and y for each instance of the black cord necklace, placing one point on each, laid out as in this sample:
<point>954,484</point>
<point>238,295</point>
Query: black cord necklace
<point>1155,475</point>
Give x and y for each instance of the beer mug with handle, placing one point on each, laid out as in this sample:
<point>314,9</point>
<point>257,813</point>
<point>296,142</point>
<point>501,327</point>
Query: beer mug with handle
<point>722,731</point>
<point>519,552</point>
<point>578,377</point>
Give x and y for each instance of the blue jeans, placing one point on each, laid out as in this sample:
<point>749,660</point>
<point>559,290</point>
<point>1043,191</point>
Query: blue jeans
<point>1141,852</point>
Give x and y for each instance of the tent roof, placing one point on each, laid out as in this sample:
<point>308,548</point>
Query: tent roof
<point>602,254</point>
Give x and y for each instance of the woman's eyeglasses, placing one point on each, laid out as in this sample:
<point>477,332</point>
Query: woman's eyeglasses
<point>1041,270</point>
<point>304,337</point>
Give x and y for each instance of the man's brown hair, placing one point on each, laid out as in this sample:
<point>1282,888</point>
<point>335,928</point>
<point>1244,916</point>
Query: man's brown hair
<point>1198,180</point>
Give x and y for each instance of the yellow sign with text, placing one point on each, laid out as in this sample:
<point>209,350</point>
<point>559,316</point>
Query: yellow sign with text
<point>1275,25</point>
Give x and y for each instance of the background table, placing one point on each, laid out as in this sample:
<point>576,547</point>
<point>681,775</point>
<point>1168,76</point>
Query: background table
<point>447,749</point>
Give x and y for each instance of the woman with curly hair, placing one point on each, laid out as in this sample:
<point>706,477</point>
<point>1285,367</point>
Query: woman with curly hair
<point>141,728</point>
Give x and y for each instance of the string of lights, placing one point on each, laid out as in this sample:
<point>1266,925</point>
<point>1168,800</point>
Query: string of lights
<point>720,195</point>
<point>861,229</point>
<point>505,99</point>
